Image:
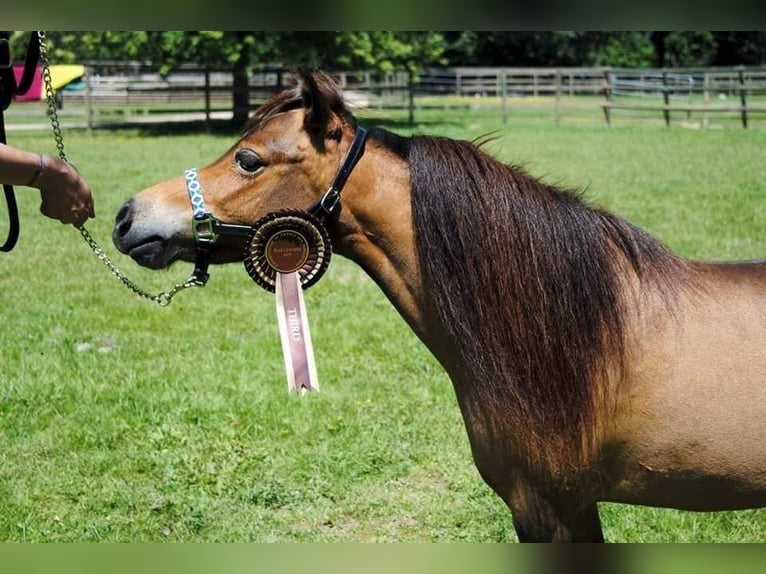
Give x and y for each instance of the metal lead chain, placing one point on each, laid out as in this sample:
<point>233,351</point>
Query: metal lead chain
<point>49,95</point>
<point>163,299</point>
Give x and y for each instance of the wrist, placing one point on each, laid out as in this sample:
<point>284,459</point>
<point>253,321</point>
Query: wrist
<point>38,170</point>
<point>56,175</point>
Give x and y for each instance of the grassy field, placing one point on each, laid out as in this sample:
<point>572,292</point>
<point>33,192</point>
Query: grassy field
<point>123,421</point>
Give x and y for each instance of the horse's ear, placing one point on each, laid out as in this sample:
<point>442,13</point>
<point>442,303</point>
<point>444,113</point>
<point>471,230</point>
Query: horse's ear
<point>316,102</point>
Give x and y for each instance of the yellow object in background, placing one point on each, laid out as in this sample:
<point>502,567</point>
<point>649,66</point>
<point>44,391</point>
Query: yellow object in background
<point>64,74</point>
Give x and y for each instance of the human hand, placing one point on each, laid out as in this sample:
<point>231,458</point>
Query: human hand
<point>65,195</point>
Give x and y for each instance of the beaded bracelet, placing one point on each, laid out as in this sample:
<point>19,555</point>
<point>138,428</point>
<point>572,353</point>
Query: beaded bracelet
<point>40,168</point>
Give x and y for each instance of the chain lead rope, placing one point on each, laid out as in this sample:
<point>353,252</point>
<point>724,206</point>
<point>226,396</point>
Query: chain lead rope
<point>163,299</point>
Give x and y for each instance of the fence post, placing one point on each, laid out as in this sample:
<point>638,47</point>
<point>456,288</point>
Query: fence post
<point>607,96</point>
<point>665,98</point>
<point>207,100</point>
<point>690,99</point>
<point>558,96</point>
<point>705,99</point>
<point>88,100</point>
<point>504,95</point>
<point>411,90</point>
<point>742,99</point>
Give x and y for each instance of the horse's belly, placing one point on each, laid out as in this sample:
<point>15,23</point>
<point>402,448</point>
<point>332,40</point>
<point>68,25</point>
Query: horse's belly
<point>691,426</point>
<point>689,489</point>
<point>695,457</point>
<point>695,463</point>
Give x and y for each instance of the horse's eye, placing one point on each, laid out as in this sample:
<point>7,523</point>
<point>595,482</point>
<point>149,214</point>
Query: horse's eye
<point>248,160</point>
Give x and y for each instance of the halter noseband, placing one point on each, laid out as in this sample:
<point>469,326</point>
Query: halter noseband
<point>207,229</point>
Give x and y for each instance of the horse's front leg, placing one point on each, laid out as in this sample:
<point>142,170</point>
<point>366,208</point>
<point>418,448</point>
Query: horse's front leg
<point>539,517</point>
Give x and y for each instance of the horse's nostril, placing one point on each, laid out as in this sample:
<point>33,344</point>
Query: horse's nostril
<point>124,218</point>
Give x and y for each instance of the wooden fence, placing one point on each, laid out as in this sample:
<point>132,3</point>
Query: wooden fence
<point>668,92</point>
<point>590,94</point>
<point>645,92</point>
<point>107,89</point>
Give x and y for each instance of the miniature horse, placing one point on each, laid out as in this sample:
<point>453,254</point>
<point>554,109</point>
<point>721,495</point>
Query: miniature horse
<point>589,362</point>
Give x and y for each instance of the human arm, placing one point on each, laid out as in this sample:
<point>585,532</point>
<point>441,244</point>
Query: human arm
<point>65,195</point>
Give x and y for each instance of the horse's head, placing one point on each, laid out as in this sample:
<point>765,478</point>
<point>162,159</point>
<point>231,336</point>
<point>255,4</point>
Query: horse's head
<point>287,158</point>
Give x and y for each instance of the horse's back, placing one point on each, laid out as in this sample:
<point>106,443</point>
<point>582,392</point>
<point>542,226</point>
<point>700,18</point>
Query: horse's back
<point>691,425</point>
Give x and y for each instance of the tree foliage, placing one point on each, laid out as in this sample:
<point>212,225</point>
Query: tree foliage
<point>413,50</point>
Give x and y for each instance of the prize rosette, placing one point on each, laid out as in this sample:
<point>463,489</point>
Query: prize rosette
<point>287,241</point>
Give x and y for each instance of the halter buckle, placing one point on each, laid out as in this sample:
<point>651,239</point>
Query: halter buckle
<point>203,229</point>
<point>329,203</point>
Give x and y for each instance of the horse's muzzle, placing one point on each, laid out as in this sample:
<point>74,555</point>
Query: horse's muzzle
<point>149,244</point>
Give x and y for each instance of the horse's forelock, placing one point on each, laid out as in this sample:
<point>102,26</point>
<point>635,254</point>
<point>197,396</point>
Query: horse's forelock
<point>312,89</point>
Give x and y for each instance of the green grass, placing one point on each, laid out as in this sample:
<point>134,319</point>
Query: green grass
<point>123,421</point>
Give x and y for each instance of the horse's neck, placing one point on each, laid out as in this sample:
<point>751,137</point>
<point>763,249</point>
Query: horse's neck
<point>377,234</point>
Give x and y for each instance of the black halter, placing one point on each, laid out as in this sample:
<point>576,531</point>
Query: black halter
<point>208,228</point>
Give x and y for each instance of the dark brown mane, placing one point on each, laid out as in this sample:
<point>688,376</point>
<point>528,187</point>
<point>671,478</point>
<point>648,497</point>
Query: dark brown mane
<point>524,278</point>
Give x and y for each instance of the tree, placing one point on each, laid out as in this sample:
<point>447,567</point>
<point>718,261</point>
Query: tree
<point>524,49</point>
<point>564,48</point>
<point>690,49</point>
<point>626,50</point>
<point>658,41</point>
<point>222,50</point>
<point>389,51</point>
<point>167,51</point>
<point>216,50</point>
<point>740,48</point>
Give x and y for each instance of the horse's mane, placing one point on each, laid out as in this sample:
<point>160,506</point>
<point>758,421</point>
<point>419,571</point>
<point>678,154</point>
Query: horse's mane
<point>525,278</point>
